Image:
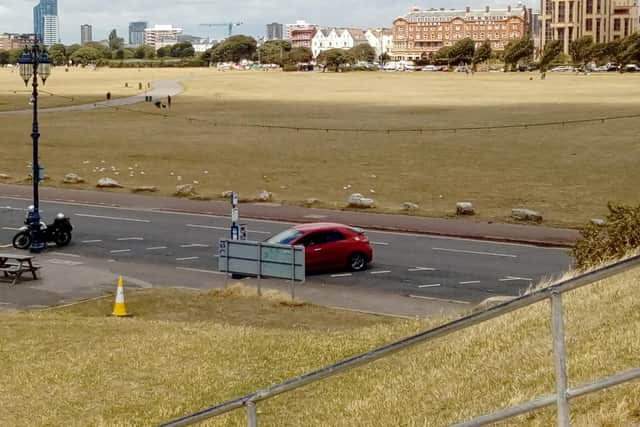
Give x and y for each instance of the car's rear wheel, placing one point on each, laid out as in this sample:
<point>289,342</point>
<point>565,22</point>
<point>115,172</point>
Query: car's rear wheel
<point>357,261</point>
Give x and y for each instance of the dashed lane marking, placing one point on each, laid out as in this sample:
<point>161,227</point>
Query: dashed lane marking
<point>421,269</point>
<point>435,285</point>
<point>513,279</point>
<point>156,248</point>
<point>470,282</point>
<point>197,270</point>
<point>6,246</point>
<point>213,227</point>
<point>65,262</point>
<point>342,275</point>
<point>119,251</point>
<point>454,301</point>
<point>189,258</point>
<point>10,228</point>
<point>460,251</point>
<point>66,254</point>
<point>194,245</point>
<point>91,241</point>
<point>113,218</point>
<point>124,239</point>
<point>380,243</point>
<point>381,272</point>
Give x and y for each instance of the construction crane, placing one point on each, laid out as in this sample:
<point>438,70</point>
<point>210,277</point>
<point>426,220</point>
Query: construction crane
<point>229,25</point>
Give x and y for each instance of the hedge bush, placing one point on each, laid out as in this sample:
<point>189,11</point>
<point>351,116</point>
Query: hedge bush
<point>619,235</point>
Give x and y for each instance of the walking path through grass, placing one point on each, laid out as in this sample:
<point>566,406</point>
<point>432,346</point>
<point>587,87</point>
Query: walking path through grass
<point>159,89</point>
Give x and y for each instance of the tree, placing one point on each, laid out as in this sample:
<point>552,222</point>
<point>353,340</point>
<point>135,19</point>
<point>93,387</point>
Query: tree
<point>274,52</point>
<point>115,42</point>
<point>631,49</point>
<point>482,53</point>
<point>4,57</point>
<point>516,51</point>
<point>299,55</point>
<point>462,51</point>
<point>384,58</point>
<point>14,54</point>
<point>581,50</point>
<point>234,49</point>
<point>85,55</point>
<point>442,56</point>
<point>182,50</point>
<point>57,54</point>
<point>163,51</point>
<point>550,52</point>
<point>144,52</point>
<point>363,52</point>
<point>335,58</point>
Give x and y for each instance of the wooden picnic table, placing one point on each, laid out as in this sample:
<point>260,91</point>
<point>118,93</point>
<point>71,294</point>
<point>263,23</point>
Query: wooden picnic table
<point>14,265</point>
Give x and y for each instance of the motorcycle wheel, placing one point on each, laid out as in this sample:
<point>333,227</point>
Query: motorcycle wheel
<point>22,240</point>
<point>62,238</point>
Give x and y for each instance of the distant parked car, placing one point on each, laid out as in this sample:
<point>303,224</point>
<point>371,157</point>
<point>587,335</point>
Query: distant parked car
<point>429,68</point>
<point>563,69</point>
<point>329,246</point>
<point>631,68</point>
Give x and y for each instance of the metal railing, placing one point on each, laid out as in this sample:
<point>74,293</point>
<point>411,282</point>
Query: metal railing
<point>560,398</point>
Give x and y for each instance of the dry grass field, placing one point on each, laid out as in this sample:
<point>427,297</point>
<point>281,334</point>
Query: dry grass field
<point>568,173</point>
<point>183,351</point>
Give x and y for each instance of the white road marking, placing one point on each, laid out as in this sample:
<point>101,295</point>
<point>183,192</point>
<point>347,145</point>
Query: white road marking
<point>6,246</point>
<point>120,251</point>
<point>10,228</point>
<point>4,303</point>
<point>342,275</point>
<point>421,269</point>
<point>213,227</point>
<point>91,241</point>
<point>512,279</point>
<point>440,299</point>
<point>197,270</point>
<point>124,239</point>
<point>156,248</point>
<point>194,245</point>
<point>435,285</point>
<point>114,218</point>
<point>65,262</point>
<point>381,272</point>
<point>475,252</point>
<point>12,209</point>
<point>470,282</point>
<point>66,254</point>
<point>189,258</point>
<point>380,243</point>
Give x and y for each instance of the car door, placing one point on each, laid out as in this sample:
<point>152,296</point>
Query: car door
<point>335,249</point>
<point>314,253</point>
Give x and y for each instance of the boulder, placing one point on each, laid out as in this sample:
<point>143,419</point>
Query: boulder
<point>73,178</point>
<point>108,183</point>
<point>4,176</point>
<point>526,215</point>
<point>311,201</point>
<point>357,200</point>
<point>145,189</point>
<point>465,208</point>
<point>185,190</point>
<point>264,196</point>
<point>598,221</point>
<point>410,206</point>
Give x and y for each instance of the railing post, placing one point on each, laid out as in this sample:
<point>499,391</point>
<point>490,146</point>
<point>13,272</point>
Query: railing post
<point>557,327</point>
<point>252,416</point>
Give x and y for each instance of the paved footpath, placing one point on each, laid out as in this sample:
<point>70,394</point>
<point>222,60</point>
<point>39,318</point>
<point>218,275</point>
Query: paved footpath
<point>463,228</point>
<point>159,89</point>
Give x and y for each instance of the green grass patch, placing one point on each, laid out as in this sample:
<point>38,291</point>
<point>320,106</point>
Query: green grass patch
<point>185,350</point>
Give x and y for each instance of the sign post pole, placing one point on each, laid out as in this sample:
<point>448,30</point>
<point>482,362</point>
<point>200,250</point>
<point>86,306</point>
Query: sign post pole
<point>293,273</point>
<point>259,269</point>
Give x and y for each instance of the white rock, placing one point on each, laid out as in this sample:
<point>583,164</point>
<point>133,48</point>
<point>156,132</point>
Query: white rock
<point>206,172</point>
<point>195,182</point>
<point>598,221</point>
<point>526,215</point>
<point>145,188</point>
<point>409,206</point>
<point>465,208</point>
<point>72,178</point>
<point>264,196</point>
<point>86,162</point>
<point>227,194</point>
<point>4,176</point>
<point>357,200</point>
<point>185,190</point>
<point>108,183</point>
<point>311,201</point>
<point>179,178</point>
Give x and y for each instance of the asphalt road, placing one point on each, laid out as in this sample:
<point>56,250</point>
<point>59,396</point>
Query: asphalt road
<point>417,266</point>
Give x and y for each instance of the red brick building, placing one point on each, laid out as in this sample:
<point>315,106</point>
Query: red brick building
<point>302,37</point>
<point>421,33</point>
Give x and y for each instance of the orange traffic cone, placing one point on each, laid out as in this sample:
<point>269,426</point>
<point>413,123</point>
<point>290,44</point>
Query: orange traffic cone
<point>119,308</point>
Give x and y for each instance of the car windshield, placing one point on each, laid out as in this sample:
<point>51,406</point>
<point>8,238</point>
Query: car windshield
<point>286,237</point>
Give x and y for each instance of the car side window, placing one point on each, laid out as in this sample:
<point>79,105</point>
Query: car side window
<point>333,236</point>
<point>311,240</point>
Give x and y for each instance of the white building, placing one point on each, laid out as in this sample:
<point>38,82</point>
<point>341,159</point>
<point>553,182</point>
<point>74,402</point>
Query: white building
<point>299,25</point>
<point>381,39</point>
<point>51,30</point>
<point>161,35</point>
<point>337,38</point>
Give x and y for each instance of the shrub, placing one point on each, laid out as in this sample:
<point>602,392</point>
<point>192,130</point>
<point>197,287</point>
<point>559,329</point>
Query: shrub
<point>601,243</point>
<point>290,67</point>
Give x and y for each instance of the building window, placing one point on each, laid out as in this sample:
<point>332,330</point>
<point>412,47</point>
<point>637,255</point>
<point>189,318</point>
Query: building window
<point>598,30</point>
<point>616,24</point>
<point>570,11</point>
<point>598,10</point>
<point>589,25</point>
<point>548,6</point>
<point>589,7</point>
<point>561,11</point>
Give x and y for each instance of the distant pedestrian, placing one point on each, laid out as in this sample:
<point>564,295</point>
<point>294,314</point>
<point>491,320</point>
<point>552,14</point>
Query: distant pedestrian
<point>108,96</point>
<point>169,100</point>
<point>543,76</point>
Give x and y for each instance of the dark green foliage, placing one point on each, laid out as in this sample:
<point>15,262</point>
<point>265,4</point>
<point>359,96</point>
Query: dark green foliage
<point>182,50</point>
<point>550,52</point>
<point>581,50</point>
<point>274,52</point>
<point>57,54</point>
<point>234,49</point>
<point>363,52</point>
<point>615,239</point>
<point>482,53</point>
<point>516,51</point>
<point>4,57</point>
<point>335,59</point>
<point>300,55</point>
<point>462,52</point>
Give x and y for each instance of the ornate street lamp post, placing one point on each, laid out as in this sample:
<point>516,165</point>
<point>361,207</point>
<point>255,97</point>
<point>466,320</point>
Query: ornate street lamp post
<point>34,61</point>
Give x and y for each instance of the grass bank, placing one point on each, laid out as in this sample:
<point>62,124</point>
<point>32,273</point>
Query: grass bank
<point>568,173</point>
<point>184,351</point>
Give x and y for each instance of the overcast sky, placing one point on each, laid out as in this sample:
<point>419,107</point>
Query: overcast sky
<point>17,15</point>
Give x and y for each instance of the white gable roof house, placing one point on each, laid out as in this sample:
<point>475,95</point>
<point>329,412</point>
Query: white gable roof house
<point>336,38</point>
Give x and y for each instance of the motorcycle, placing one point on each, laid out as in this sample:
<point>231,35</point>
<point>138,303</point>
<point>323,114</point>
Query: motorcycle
<point>58,232</point>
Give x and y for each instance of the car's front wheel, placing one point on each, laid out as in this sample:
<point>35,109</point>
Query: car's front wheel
<point>357,261</point>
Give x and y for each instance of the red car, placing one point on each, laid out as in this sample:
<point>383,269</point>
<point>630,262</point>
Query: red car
<point>329,246</point>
